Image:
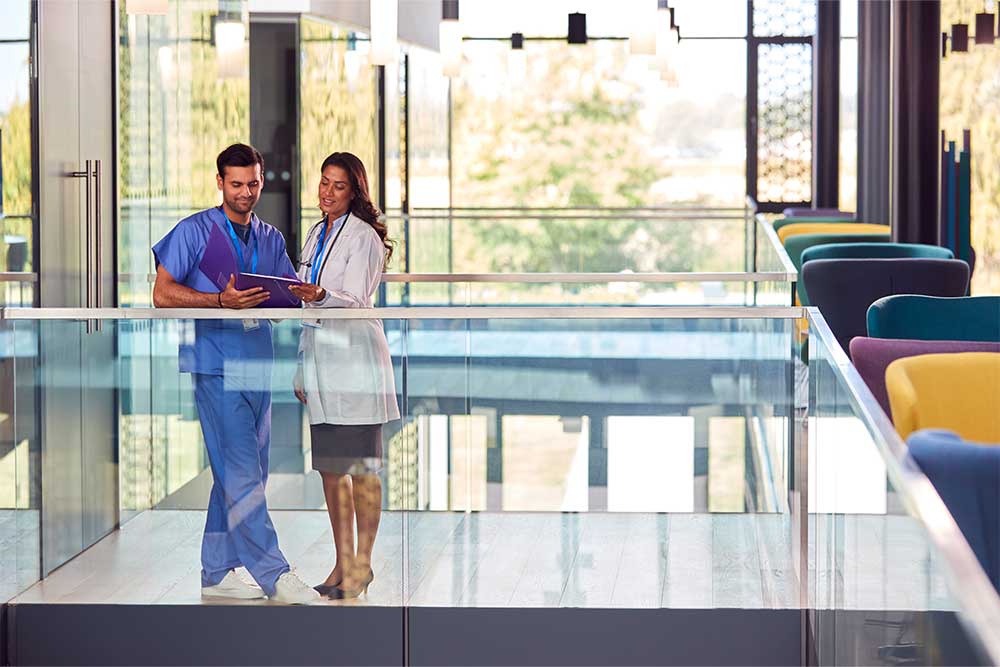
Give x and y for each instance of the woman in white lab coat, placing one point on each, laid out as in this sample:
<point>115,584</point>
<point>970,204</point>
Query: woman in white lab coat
<point>345,376</point>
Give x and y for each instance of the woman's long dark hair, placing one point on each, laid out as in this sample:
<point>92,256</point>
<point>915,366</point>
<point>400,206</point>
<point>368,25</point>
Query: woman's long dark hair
<point>361,204</point>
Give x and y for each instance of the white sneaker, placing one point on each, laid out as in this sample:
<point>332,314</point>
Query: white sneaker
<point>233,586</point>
<point>291,590</point>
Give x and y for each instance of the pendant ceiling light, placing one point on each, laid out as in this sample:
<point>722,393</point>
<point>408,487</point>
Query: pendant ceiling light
<point>146,7</point>
<point>577,33</point>
<point>985,23</point>
<point>667,38</point>
<point>642,40</point>
<point>384,23</point>
<point>959,37</point>
<point>450,39</point>
<point>517,61</point>
<point>229,34</point>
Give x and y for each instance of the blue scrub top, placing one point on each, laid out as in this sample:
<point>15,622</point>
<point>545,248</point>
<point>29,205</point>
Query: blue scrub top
<point>222,347</point>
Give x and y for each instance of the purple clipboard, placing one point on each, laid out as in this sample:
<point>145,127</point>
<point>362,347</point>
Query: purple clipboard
<point>218,263</point>
<point>281,296</point>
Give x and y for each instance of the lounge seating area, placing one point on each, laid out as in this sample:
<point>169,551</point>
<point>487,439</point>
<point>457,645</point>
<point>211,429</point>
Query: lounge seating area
<point>929,353</point>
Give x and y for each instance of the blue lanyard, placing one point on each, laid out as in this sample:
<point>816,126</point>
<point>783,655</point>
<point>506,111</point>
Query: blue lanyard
<point>239,250</point>
<point>320,245</point>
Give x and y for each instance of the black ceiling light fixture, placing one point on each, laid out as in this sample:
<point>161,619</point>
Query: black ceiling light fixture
<point>577,28</point>
<point>985,27</point>
<point>959,37</point>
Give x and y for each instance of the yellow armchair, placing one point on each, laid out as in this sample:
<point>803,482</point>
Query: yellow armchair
<point>830,228</point>
<point>959,392</point>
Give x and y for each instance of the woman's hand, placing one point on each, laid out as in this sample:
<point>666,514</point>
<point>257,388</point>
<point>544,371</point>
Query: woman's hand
<point>308,292</point>
<point>298,386</point>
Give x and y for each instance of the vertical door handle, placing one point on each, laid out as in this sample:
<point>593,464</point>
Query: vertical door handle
<point>98,247</point>
<point>89,243</point>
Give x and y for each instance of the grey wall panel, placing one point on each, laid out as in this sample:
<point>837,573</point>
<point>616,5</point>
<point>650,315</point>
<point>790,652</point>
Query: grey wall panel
<point>61,198</point>
<point>99,441</point>
<point>874,88</point>
<point>60,378</point>
<point>915,144</point>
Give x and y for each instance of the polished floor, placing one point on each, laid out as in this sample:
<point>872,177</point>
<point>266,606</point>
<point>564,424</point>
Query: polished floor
<point>594,560</point>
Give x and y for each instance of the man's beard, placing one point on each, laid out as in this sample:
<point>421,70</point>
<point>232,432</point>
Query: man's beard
<point>244,206</point>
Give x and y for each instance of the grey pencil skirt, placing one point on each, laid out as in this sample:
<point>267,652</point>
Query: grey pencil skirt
<point>344,449</point>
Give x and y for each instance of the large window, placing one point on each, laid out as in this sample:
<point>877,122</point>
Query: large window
<point>17,205</point>
<point>970,100</point>
<point>780,138</point>
<point>848,106</point>
<point>591,125</point>
<point>339,102</point>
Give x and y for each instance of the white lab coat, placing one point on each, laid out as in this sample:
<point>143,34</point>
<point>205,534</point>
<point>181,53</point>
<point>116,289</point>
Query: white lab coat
<point>344,365</point>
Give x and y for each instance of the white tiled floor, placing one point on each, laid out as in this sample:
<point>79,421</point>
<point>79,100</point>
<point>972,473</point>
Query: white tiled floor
<point>539,559</point>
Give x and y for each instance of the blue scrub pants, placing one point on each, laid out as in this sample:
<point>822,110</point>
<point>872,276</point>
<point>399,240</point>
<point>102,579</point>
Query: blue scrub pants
<point>236,421</point>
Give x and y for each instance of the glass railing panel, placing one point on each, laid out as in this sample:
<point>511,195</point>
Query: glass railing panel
<point>878,583</point>
<point>20,459</point>
<point>18,289</point>
<point>553,452</point>
<point>630,459</point>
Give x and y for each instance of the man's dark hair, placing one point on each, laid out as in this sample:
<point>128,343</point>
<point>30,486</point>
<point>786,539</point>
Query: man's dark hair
<point>238,155</point>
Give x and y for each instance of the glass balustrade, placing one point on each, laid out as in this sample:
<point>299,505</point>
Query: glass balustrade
<point>629,458</point>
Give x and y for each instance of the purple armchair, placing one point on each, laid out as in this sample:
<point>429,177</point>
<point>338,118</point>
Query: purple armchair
<point>871,356</point>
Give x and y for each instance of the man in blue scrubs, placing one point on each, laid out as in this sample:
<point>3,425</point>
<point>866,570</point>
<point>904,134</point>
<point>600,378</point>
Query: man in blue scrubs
<point>230,363</point>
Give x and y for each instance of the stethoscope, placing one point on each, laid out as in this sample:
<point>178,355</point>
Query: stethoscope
<point>312,241</point>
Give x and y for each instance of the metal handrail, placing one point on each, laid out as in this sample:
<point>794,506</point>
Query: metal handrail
<point>576,277</point>
<point>979,604</point>
<point>602,277</point>
<point>411,313</point>
<point>18,277</point>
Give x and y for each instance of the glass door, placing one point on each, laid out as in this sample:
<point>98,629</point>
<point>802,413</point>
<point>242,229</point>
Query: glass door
<point>79,465</point>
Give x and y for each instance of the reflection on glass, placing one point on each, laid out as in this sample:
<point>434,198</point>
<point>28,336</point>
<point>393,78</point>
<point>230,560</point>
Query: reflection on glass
<point>651,464</point>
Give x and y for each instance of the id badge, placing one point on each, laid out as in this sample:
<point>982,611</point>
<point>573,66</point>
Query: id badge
<point>251,325</point>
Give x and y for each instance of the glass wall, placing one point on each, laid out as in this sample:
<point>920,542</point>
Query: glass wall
<point>17,201</point>
<point>184,94</point>
<point>183,97</point>
<point>427,131</point>
<point>20,475</point>
<point>848,106</point>
<point>970,101</point>
<point>339,101</point>
<point>591,125</point>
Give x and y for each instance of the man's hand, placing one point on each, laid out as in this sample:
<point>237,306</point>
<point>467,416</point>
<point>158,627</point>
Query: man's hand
<point>308,292</point>
<point>301,395</point>
<point>242,299</point>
